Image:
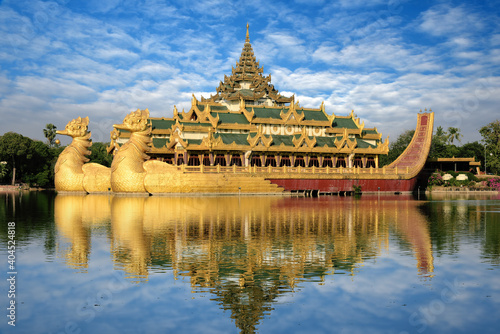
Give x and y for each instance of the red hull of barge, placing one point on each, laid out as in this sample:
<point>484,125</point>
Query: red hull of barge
<point>336,185</point>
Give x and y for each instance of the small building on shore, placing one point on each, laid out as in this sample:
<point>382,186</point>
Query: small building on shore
<point>454,164</point>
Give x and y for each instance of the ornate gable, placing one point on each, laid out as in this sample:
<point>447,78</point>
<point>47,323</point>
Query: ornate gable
<point>210,142</point>
<point>260,138</point>
<point>304,140</point>
<point>176,139</point>
<point>345,144</point>
<point>292,116</point>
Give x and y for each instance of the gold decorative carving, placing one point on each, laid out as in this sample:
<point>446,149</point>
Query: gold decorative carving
<point>304,138</point>
<point>68,169</point>
<point>71,172</point>
<point>127,172</point>
<point>260,137</point>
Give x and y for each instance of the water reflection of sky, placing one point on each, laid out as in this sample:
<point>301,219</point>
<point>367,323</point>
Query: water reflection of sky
<point>272,264</point>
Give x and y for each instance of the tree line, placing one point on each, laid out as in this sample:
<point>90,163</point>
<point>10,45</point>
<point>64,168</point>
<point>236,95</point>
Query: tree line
<point>32,162</point>
<point>24,160</point>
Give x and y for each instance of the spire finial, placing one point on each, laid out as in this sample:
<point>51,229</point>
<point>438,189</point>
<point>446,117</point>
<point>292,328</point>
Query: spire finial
<point>248,35</point>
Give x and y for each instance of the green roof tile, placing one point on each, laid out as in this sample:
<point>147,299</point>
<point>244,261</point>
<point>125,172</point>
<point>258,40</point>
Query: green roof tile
<point>266,112</point>
<point>231,118</point>
<point>245,92</point>
<point>279,139</point>
<point>313,115</point>
<point>159,142</point>
<point>344,123</point>
<point>229,138</point>
<point>194,141</point>
<point>364,144</point>
<point>195,124</point>
<point>218,108</point>
<point>162,124</point>
<point>322,141</point>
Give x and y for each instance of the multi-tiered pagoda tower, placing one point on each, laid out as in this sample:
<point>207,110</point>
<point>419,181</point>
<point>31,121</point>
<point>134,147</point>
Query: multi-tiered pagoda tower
<point>249,123</point>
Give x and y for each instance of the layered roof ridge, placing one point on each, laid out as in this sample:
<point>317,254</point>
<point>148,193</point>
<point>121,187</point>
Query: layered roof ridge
<point>247,81</point>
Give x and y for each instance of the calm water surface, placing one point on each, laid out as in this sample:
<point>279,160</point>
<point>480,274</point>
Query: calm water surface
<point>388,264</point>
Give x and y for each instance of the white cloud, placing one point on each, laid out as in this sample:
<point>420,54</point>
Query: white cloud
<point>444,20</point>
<point>59,61</point>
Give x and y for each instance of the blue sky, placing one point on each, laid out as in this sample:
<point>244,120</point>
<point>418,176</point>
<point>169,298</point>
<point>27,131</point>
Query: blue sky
<point>385,60</point>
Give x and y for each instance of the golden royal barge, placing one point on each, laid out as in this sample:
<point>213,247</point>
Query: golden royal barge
<point>247,138</point>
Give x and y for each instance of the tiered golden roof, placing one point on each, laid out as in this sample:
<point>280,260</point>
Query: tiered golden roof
<point>248,120</point>
<point>249,70</point>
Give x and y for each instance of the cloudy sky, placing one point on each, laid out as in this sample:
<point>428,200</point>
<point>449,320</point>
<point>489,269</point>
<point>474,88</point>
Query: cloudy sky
<point>385,60</point>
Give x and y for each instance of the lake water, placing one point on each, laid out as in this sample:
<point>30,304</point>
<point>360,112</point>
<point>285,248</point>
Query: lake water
<point>376,264</point>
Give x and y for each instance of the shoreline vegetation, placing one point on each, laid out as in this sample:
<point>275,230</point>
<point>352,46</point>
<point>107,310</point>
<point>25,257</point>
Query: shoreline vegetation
<point>452,181</point>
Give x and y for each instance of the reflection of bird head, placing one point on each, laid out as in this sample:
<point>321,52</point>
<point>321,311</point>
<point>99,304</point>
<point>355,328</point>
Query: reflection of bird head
<point>68,219</point>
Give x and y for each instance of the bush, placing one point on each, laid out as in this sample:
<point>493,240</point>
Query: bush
<point>494,183</point>
<point>452,173</point>
<point>436,179</point>
<point>471,177</point>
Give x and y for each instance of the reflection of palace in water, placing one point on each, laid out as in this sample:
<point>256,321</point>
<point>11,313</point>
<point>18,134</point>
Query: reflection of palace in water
<point>244,250</point>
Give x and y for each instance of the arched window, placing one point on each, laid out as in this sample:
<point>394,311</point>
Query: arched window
<point>206,160</point>
<point>340,163</point>
<point>358,162</point>
<point>313,161</point>
<point>193,160</point>
<point>180,160</point>
<point>285,161</point>
<point>299,161</point>
<point>370,162</point>
<point>327,162</point>
<point>220,159</point>
<point>236,160</point>
<point>256,161</point>
<point>270,161</point>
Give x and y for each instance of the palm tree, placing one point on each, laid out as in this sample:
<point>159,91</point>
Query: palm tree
<point>454,133</point>
<point>50,133</point>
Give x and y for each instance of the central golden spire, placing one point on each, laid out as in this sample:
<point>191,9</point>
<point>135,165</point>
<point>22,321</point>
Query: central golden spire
<point>247,40</point>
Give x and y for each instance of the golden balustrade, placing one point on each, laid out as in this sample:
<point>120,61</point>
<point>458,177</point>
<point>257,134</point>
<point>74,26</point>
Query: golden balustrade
<point>299,171</point>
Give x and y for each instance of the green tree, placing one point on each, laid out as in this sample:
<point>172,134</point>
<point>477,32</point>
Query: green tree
<point>469,150</point>
<point>29,161</point>
<point>100,154</point>
<point>453,133</point>
<point>14,149</point>
<point>3,169</point>
<point>396,148</point>
<point>438,145</point>
<point>491,144</point>
<point>50,133</point>
<point>37,168</point>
